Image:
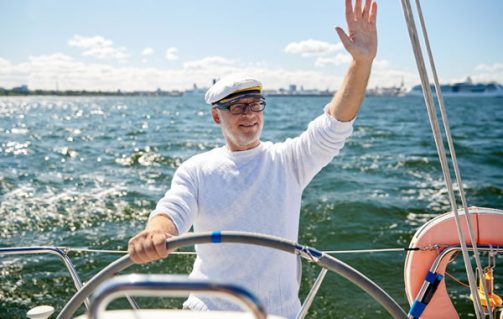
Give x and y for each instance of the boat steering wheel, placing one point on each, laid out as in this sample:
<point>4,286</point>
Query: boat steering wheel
<point>322,259</point>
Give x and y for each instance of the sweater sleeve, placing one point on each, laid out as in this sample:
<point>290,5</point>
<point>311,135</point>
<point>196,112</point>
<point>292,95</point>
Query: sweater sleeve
<point>180,201</point>
<point>317,146</point>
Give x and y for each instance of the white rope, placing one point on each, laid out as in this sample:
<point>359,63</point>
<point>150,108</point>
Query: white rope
<point>335,252</point>
<point>353,251</point>
<point>452,151</point>
<point>357,251</point>
<point>108,251</point>
<point>440,149</point>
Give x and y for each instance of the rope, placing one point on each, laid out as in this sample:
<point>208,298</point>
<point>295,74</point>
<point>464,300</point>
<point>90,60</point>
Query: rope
<point>453,258</point>
<point>452,151</point>
<point>353,251</point>
<point>457,280</point>
<point>108,251</point>
<point>379,250</point>
<point>440,147</point>
<point>68,249</point>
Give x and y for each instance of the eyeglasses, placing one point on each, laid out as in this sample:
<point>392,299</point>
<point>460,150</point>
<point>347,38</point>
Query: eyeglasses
<point>240,108</point>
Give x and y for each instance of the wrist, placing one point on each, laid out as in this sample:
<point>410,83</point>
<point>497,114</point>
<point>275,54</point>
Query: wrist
<point>161,223</point>
<point>362,63</point>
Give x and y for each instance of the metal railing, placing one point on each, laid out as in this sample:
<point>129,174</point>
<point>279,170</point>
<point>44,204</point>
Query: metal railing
<point>170,286</point>
<point>61,253</point>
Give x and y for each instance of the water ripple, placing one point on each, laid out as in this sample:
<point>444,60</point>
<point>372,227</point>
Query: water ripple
<point>88,171</point>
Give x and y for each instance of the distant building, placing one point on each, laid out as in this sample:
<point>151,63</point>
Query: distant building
<point>387,91</point>
<point>23,89</point>
<point>195,91</point>
<point>292,91</point>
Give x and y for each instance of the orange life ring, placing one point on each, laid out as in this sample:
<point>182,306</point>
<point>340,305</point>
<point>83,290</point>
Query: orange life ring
<point>487,226</point>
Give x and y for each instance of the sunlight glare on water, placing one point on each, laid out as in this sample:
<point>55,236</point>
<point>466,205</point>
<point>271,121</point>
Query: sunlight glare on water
<point>87,171</point>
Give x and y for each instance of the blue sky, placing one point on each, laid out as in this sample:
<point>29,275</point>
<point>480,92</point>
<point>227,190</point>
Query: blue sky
<point>145,45</point>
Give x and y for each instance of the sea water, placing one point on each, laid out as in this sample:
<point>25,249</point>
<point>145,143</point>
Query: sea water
<point>87,171</point>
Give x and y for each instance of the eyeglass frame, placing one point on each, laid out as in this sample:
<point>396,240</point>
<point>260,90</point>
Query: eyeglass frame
<point>227,105</point>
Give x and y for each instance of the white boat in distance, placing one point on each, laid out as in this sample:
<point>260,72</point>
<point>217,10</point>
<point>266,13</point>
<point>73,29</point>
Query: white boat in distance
<point>463,89</point>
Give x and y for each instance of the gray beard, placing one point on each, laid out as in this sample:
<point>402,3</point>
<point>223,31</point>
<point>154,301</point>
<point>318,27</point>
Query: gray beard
<point>242,139</point>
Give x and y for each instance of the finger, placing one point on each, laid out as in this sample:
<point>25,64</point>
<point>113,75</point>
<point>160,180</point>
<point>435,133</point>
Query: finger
<point>159,241</point>
<point>135,253</point>
<point>366,10</point>
<point>132,251</point>
<point>132,255</point>
<point>373,13</point>
<point>358,10</point>
<point>149,250</point>
<point>344,37</point>
<point>141,254</point>
<point>349,11</point>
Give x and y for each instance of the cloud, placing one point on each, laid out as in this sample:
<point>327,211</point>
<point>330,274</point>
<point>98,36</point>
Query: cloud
<point>494,68</point>
<point>66,73</point>
<point>61,71</point>
<point>4,63</point>
<point>171,54</point>
<point>487,73</point>
<point>89,42</point>
<point>212,62</point>
<point>340,58</point>
<point>384,74</point>
<point>387,77</point>
<point>312,47</point>
<point>381,64</point>
<point>98,47</point>
<point>147,51</point>
<point>12,75</point>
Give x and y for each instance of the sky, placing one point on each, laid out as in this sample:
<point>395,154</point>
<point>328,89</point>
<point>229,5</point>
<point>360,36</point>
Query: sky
<point>172,45</point>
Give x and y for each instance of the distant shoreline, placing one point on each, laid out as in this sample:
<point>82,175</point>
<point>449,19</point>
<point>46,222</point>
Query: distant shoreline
<point>139,93</point>
<point>144,94</point>
<point>369,93</point>
<point>88,93</point>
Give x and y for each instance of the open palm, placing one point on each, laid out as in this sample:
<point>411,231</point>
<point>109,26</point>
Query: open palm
<point>361,40</point>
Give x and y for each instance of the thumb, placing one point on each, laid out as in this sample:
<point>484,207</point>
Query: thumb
<point>344,37</point>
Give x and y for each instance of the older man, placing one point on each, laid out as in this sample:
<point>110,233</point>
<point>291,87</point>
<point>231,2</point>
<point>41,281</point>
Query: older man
<point>251,185</point>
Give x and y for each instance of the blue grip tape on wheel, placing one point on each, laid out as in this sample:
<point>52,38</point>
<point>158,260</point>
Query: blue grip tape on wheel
<point>216,237</point>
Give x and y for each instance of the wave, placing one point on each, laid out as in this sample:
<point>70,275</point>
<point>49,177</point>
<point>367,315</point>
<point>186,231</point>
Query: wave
<point>148,157</point>
<point>26,209</point>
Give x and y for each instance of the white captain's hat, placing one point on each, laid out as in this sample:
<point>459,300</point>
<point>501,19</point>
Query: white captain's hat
<point>233,86</point>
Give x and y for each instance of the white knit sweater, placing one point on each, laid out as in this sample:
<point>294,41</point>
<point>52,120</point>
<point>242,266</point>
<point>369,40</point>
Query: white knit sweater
<point>258,190</point>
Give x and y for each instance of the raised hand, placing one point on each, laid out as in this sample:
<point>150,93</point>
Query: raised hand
<point>361,40</point>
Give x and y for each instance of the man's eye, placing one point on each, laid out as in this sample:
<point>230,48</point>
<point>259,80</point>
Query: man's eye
<point>238,106</point>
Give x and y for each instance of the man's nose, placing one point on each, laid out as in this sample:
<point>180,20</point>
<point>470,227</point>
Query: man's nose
<point>247,109</point>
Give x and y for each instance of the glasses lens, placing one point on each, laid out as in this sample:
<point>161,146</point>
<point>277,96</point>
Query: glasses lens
<point>238,108</point>
<point>257,106</point>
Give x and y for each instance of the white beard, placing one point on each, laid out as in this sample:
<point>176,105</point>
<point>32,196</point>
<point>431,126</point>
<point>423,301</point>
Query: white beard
<point>241,140</point>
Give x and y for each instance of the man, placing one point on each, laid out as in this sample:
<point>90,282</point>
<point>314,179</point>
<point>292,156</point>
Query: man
<point>256,186</point>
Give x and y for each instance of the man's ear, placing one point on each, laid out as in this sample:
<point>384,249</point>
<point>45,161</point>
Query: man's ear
<point>215,115</point>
